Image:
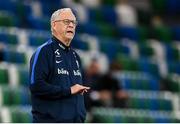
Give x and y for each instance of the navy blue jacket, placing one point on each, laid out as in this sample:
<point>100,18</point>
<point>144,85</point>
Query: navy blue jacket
<point>54,68</point>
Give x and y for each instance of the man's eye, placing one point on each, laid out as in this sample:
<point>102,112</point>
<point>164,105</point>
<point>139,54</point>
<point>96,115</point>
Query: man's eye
<point>66,21</point>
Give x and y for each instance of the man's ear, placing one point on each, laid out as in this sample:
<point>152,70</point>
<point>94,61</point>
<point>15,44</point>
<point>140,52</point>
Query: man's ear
<point>53,25</point>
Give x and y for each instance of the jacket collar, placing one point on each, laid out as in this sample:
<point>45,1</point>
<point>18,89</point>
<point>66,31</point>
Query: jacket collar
<point>60,44</point>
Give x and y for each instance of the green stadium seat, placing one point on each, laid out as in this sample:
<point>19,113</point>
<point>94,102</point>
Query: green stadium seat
<point>4,79</point>
<point>145,50</point>
<point>162,33</point>
<point>127,63</point>
<point>20,117</point>
<point>158,6</point>
<point>109,2</point>
<point>107,30</point>
<point>143,33</point>
<point>8,19</point>
<point>13,96</point>
<point>171,83</point>
<point>115,115</point>
<point>23,76</point>
<point>151,104</point>
<point>20,114</point>
<point>7,97</point>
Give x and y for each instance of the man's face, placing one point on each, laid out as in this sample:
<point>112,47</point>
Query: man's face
<point>65,26</point>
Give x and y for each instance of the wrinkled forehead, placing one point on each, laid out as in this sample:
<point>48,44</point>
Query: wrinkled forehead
<point>67,14</point>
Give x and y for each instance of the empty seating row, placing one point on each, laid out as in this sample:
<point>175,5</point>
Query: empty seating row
<point>145,81</point>
<point>13,96</point>
<point>15,114</point>
<point>114,115</point>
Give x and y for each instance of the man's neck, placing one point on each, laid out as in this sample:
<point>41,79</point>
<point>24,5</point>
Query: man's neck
<point>65,42</point>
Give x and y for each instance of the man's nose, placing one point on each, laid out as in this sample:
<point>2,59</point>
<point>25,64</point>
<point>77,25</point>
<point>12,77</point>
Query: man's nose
<point>71,24</point>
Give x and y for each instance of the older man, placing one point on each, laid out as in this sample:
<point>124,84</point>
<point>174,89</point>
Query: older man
<point>55,75</point>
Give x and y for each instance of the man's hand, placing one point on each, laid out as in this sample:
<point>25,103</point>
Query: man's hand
<point>79,89</point>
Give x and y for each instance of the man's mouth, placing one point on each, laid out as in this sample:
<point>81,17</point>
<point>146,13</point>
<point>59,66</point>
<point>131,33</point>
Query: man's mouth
<point>71,32</point>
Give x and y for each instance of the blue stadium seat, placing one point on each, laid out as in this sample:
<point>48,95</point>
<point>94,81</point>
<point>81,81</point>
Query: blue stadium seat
<point>109,14</point>
<point>173,7</point>
<point>176,32</point>
<point>129,32</point>
<point>8,39</point>
<point>39,23</point>
<point>7,5</point>
<point>14,57</point>
<point>78,44</point>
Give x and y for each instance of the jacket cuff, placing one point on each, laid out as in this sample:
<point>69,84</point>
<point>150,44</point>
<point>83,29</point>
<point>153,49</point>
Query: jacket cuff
<point>67,92</point>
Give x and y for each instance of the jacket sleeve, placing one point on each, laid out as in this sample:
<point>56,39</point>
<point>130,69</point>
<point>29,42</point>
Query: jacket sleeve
<point>39,73</point>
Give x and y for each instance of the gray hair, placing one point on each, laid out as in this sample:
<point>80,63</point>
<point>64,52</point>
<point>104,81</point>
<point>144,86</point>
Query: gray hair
<point>56,14</point>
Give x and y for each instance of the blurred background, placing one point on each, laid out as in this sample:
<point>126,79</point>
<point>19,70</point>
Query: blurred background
<point>130,51</point>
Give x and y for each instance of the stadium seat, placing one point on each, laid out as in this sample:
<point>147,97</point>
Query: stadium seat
<point>91,28</point>
<point>113,115</point>
<point>151,104</point>
<point>39,23</point>
<point>109,14</point>
<point>14,57</point>
<point>7,5</point>
<point>159,6</point>
<point>143,33</point>
<point>48,10</point>
<point>37,40</point>
<point>79,44</point>
<point>13,96</point>
<point>107,30</point>
<point>109,2</point>
<point>8,38</point>
<point>8,19</point>
<point>145,50</point>
<point>20,114</point>
<point>4,79</point>
<point>23,76</point>
<point>20,117</point>
<point>162,33</point>
<point>127,63</point>
<point>149,67</point>
<point>172,53</point>
<point>173,7</point>
<point>106,45</point>
<point>176,32</point>
<point>174,67</point>
<point>129,32</point>
<point>96,16</point>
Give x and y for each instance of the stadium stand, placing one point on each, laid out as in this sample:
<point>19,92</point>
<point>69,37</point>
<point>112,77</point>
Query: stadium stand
<point>142,36</point>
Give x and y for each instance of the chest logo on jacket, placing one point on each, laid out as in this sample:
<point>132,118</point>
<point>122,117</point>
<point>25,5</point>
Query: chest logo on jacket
<point>63,71</point>
<point>77,73</point>
<point>57,53</point>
